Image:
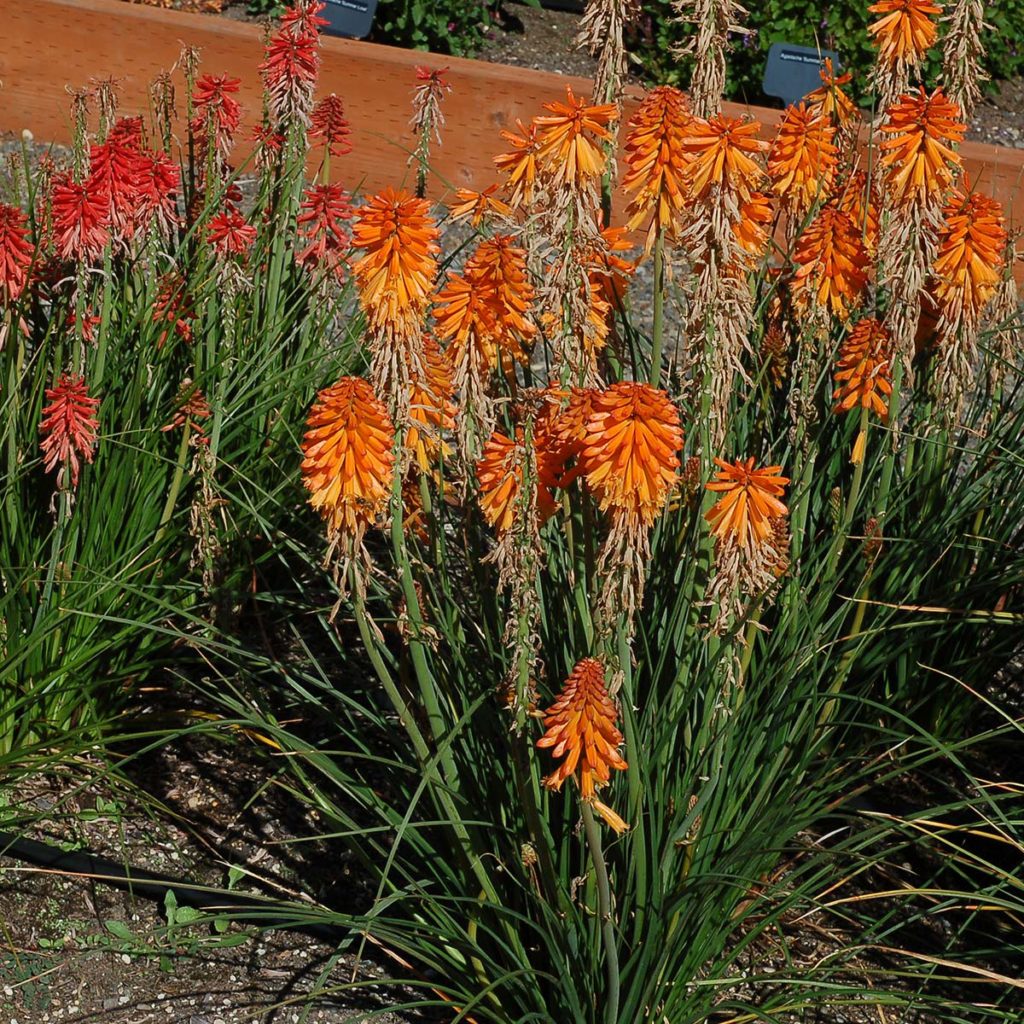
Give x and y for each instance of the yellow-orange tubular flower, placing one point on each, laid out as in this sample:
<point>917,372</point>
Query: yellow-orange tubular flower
<point>863,369</point>
<point>348,461</point>
<point>751,230</point>
<point>803,157</point>
<point>656,162</point>
<point>971,249</point>
<point>630,455</point>
<point>396,275</point>
<point>498,269</point>
<point>829,100</point>
<point>831,263</point>
<point>721,151</point>
<point>857,195</point>
<point>905,31</point>
<point>580,728</point>
<point>499,471</point>
<point>476,206</point>
<point>520,163</point>
<point>917,155</point>
<point>567,148</point>
<point>750,503</point>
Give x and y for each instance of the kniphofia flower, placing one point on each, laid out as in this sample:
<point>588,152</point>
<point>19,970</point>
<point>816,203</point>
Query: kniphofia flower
<point>656,162</point>
<point>230,233</point>
<point>569,139</point>
<point>722,151</point>
<point>857,195</point>
<point>917,154</point>
<point>396,275</point>
<point>905,31</point>
<point>630,455</point>
<point>475,206</point>
<point>832,263</point>
<point>609,271</point>
<point>81,219</point>
<point>803,157</point>
<point>829,101</point>
<point>114,172</point>
<point>499,471</point>
<point>431,410</point>
<point>520,163</point>
<point>289,70</point>
<point>971,247</point>
<point>348,463</point>
<point>15,252</point>
<point>749,503</point>
<point>158,181</point>
<point>580,729</point>
<point>190,409</point>
<point>69,428</point>
<point>216,111</point>
<point>328,123</point>
<point>323,220</point>
<point>863,369</point>
<point>498,269</point>
<point>751,229</point>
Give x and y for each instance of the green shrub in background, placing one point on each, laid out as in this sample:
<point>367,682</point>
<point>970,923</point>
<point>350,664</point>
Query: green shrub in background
<point>837,26</point>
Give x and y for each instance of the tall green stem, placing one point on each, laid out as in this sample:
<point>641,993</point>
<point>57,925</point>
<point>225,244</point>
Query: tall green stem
<point>604,909</point>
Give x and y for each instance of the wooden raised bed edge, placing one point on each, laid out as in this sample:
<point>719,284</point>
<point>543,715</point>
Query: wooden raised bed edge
<point>49,45</point>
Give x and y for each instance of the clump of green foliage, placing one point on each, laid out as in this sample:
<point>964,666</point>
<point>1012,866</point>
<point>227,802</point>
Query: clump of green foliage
<point>840,26</point>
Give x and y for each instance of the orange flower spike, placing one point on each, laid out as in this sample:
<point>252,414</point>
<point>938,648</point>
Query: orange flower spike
<point>803,158</point>
<point>630,455</point>
<point>611,272</point>
<point>656,161</point>
<point>905,31</point>
<point>749,503</point>
<point>722,151</point>
<point>832,263</point>
<point>498,268</point>
<point>476,206</point>
<point>464,315</point>
<point>863,369</point>
<point>396,276</point>
<point>580,727</point>
<point>917,154</point>
<point>829,101</point>
<point>567,147</point>
<point>500,475</point>
<point>520,163</point>
<point>431,410</point>
<point>858,197</point>
<point>971,252</point>
<point>751,230</point>
<point>348,462</point>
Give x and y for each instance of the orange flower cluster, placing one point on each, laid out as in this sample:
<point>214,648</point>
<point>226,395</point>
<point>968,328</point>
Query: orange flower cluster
<point>487,307</point>
<point>971,248</point>
<point>477,206</point>
<point>721,151</point>
<point>520,163</point>
<point>857,196</point>
<point>431,409</point>
<point>499,471</point>
<point>829,101</point>
<point>630,455</point>
<point>803,158</point>
<point>831,263</point>
<point>656,162</point>
<point>348,463</point>
<point>580,727</point>
<point>751,230</point>
<point>569,140</point>
<point>396,276</point>
<point>917,154</point>
<point>750,505</point>
<point>863,369</point>
<point>905,31</point>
